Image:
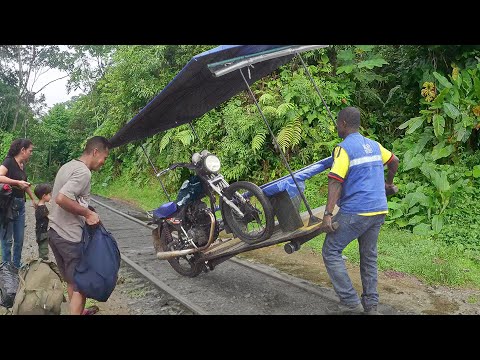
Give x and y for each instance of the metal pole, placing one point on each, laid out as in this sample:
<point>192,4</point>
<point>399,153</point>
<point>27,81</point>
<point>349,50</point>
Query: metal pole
<point>313,219</point>
<point>194,132</point>
<point>316,88</point>
<point>156,172</point>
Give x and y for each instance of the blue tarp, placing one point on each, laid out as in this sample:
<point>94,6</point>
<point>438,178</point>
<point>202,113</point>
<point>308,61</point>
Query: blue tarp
<point>195,91</point>
<point>286,183</point>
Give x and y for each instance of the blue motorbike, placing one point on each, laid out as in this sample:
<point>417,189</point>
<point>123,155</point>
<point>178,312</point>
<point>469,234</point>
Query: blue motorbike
<point>188,226</point>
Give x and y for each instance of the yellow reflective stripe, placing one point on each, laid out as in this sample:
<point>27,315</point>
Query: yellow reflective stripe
<point>365,159</point>
<point>374,213</point>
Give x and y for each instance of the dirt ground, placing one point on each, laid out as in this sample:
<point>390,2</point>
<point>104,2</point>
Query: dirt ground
<point>403,292</point>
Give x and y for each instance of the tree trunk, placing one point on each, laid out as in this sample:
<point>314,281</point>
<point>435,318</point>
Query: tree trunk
<point>332,56</point>
<point>17,110</point>
<point>20,80</point>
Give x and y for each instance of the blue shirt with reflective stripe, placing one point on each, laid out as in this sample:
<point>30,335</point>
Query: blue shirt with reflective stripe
<point>364,186</point>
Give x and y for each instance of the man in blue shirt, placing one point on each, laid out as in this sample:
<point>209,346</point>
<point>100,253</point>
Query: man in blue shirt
<point>356,183</point>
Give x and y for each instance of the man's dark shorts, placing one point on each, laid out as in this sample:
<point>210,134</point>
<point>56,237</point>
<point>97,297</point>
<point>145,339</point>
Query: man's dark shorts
<point>67,255</point>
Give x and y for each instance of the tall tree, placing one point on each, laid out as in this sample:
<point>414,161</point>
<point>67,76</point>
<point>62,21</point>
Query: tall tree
<point>86,64</point>
<point>27,64</point>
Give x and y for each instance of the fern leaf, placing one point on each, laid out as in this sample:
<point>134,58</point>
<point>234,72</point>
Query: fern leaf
<point>285,137</point>
<point>296,133</point>
<point>185,137</point>
<point>165,140</point>
<point>269,111</point>
<point>284,108</point>
<point>258,141</point>
<point>266,99</point>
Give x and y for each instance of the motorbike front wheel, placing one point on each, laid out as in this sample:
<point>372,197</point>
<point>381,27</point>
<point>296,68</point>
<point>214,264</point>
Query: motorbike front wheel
<point>168,240</point>
<point>258,221</point>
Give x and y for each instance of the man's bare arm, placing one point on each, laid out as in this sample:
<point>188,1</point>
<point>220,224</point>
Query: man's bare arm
<point>392,170</point>
<point>334,193</point>
<point>75,208</point>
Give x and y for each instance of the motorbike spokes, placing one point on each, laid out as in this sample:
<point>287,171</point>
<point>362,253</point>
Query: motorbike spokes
<point>257,221</point>
<point>253,222</point>
<point>171,240</point>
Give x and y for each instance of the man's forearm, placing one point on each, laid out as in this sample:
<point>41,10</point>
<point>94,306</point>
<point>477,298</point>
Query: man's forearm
<point>71,206</point>
<point>392,170</point>
<point>334,192</point>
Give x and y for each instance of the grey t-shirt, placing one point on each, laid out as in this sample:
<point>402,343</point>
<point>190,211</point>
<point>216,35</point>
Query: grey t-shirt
<point>73,181</point>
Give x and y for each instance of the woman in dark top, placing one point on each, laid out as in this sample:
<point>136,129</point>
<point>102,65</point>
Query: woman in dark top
<point>12,172</point>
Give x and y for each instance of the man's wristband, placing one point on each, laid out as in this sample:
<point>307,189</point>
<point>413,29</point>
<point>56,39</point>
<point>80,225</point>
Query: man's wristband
<point>327,213</point>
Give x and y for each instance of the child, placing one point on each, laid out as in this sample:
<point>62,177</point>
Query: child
<point>44,193</point>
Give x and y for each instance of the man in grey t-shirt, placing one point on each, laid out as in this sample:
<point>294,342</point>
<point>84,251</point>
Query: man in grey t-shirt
<point>70,211</point>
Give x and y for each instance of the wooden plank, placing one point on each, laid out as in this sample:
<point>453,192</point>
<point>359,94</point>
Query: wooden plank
<point>235,246</point>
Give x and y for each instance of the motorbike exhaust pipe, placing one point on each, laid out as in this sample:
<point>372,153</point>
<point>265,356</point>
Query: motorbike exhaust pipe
<point>165,255</point>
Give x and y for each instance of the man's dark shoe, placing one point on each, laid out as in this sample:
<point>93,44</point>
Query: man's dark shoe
<point>341,309</point>
<point>372,311</point>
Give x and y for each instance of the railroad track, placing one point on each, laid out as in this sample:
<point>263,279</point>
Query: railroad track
<point>234,287</point>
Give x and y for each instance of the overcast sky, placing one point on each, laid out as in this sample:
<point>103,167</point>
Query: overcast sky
<point>55,92</point>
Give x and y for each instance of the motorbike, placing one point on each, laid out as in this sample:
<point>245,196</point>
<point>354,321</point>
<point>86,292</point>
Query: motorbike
<point>189,231</point>
<point>188,226</point>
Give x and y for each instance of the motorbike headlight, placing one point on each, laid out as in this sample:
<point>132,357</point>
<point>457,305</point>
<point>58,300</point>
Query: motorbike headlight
<point>196,157</point>
<point>212,163</point>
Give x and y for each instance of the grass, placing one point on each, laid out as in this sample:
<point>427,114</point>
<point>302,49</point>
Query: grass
<point>472,299</point>
<point>90,302</point>
<point>430,260</point>
<point>137,293</point>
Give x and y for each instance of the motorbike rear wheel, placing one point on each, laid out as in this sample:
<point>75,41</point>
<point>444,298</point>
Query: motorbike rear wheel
<point>165,240</point>
<point>258,223</point>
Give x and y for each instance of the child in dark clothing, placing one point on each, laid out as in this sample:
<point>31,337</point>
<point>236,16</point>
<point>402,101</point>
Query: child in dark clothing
<point>44,193</point>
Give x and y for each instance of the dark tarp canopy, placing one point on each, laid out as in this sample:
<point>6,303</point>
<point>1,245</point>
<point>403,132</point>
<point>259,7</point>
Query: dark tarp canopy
<point>197,89</point>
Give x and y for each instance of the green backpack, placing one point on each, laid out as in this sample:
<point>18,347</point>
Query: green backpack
<point>40,289</point>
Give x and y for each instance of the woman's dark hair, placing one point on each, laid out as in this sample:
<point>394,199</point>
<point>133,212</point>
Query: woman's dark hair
<point>17,146</point>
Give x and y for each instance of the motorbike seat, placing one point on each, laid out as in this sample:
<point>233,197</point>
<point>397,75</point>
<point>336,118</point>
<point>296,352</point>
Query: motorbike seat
<point>165,210</point>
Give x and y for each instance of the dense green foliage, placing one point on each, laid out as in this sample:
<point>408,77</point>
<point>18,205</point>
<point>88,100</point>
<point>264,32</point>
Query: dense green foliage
<point>422,102</point>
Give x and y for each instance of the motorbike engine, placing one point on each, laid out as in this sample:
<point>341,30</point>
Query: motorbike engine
<point>199,236</point>
<point>199,221</point>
